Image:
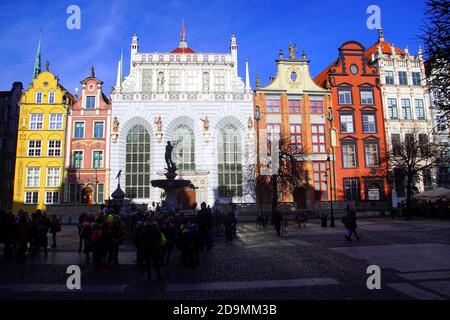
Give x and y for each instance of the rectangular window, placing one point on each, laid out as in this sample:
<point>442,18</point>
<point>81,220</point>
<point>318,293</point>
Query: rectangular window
<point>90,102</point>
<point>79,130</point>
<point>296,138</point>
<point>273,105</point>
<point>36,121</point>
<point>366,97</point>
<point>423,144</point>
<point>427,179</point>
<point>273,134</point>
<point>98,129</point>
<point>31,197</point>
<point>318,138</point>
<point>98,159</point>
<point>33,177</point>
<point>316,106</point>
<point>351,189</point>
<point>403,78</point>
<point>389,76</point>
<point>219,80</point>
<point>192,82</point>
<point>420,110</point>
<point>349,159</point>
<point>34,148</point>
<point>53,177</point>
<point>77,159</point>
<point>294,106</point>
<point>174,80</point>
<point>72,193</point>
<point>345,96</point>
<point>392,108</point>
<point>406,109</point>
<point>56,120</point>
<point>52,197</point>
<point>409,139</point>
<point>396,144</point>
<point>100,191</point>
<point>371,154</point>
<point>399,177</point>
<point>39,97</point>
<point>54,148</point>
<point>416,78</point>
<point>320,181</point>
<point>146,80</point>
<point>51,97</point>
<point>369,123</point>
<point>347,123</point>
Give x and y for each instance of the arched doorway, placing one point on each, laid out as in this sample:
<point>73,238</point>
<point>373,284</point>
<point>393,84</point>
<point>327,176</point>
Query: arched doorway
<point>186,198</point>
<point>86,196</point>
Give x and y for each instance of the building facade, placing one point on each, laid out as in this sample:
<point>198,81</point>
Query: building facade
<point>9,120</point>
<point>197,101</point>
<point>41,143</point>
<point>358,116</point>
<point>87,145</point>
<point>406,103</point>
<point>294,109</point>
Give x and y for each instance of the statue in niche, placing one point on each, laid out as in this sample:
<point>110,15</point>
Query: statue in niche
<point>115,125</point>
<point>158,123</point>
<point>160,82</point>
<point>250,123</point>
<point>206,81</point>
<point>205,124</point>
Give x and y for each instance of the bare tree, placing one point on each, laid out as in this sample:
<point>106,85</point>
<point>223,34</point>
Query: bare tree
<point>417,154</point>
<point>436,37</point>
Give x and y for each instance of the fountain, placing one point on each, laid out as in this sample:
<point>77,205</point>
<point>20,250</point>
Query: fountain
<point>118,202</point>
<point>170,185</point>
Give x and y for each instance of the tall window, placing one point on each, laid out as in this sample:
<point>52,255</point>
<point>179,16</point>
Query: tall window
<point>32,177</point>
<point>174,80</point>
<point>273,134</point>
<point>371,154</point>
<point>39,97</point>
<point>192,76</point>
<point>56,120</point>
<point>100,193</point>
<point>366,96</point>
<point>79,130</point>
<point>389,76</point>
<point>273,105</point>
<point>296,138</point>
<point>31,197</point>
<point>294,105</point>
<point>137,173</point>
<point>34,148</point>
<point>399,180</point>
<point>52,197</point>
<point>77,159</point>
<point>90,102</point>
<point>54,148</point>
<point>318,138</point>
<point>406,109</point>
<point>98,129</point>
<point>392,108</point>
<point>53,177</point>
<point>51,97</point>
<point>36,121</point>
<point>345,96</point>
<point>219,80</point>
<point>183,148</point>
<point>396,144</point>
<point>416,78</point>
<point>351,189</point>
<point>230,167</point>
<point>97,161</point>
<point>320,181</point>
<point>347,123</point>
<point>349,158</point>
<point>420,110</point>
<point>427,180</point>
<point>369,123</point>
<point>316,105</point>
<point>403,78</point>
<point>146,80</point>
<point>423,143</point>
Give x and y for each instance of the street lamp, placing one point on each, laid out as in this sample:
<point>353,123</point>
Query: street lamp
<point>332,163</point>
<point>258,165</point>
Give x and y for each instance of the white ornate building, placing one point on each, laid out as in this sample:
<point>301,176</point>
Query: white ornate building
<point>406,103</point>
<point>197,101</point>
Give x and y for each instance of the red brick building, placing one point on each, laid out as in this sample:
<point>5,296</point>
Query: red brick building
<point>359,121</point>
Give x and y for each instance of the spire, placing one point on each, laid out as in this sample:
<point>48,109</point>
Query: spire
<point>247,77</point>
<point>234,53</point>
<point>47,64</point>
<point>92,72</point>
<point>121,64</point>
<point>380,35</point>
<point>37,60</point>
<point>183,43</point>
<point>119,72</point>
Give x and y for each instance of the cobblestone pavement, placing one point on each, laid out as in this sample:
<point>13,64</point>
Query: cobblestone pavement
<point>309,263</point>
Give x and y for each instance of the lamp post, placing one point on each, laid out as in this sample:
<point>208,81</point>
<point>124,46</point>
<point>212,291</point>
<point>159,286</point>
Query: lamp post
<point>332,163</point>
<point>258,165</point>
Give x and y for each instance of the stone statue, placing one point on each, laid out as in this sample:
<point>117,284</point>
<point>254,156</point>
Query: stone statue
<point>115,125</point>
<point>206,81</point>
<point>292,49</point>
<point>168,157</point>
<point>160,82</point>
<point>250,123</point>
<point>205,124</point>
<point>119,174</point>
<point>158,123</point>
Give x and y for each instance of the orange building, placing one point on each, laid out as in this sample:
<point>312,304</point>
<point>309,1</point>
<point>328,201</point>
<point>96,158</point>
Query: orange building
<point>294,108</point>
<point>358,116</point>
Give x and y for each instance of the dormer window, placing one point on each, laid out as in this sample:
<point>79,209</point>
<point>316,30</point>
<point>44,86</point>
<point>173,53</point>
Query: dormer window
<point>90,102</point>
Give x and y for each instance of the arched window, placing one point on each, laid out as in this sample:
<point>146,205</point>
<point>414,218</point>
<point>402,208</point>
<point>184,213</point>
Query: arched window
<point>137,170</point>
<point>183,151</point>
<point>230,167</point>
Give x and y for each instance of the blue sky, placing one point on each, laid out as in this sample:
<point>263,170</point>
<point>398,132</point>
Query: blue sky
<point>262,27</point>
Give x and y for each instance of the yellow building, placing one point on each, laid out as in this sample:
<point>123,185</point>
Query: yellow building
<point>41,142</point>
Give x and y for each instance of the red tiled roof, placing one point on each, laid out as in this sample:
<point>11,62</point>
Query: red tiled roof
<point>183,50</point>
<point>385,48</point>
<point>321,78</point>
